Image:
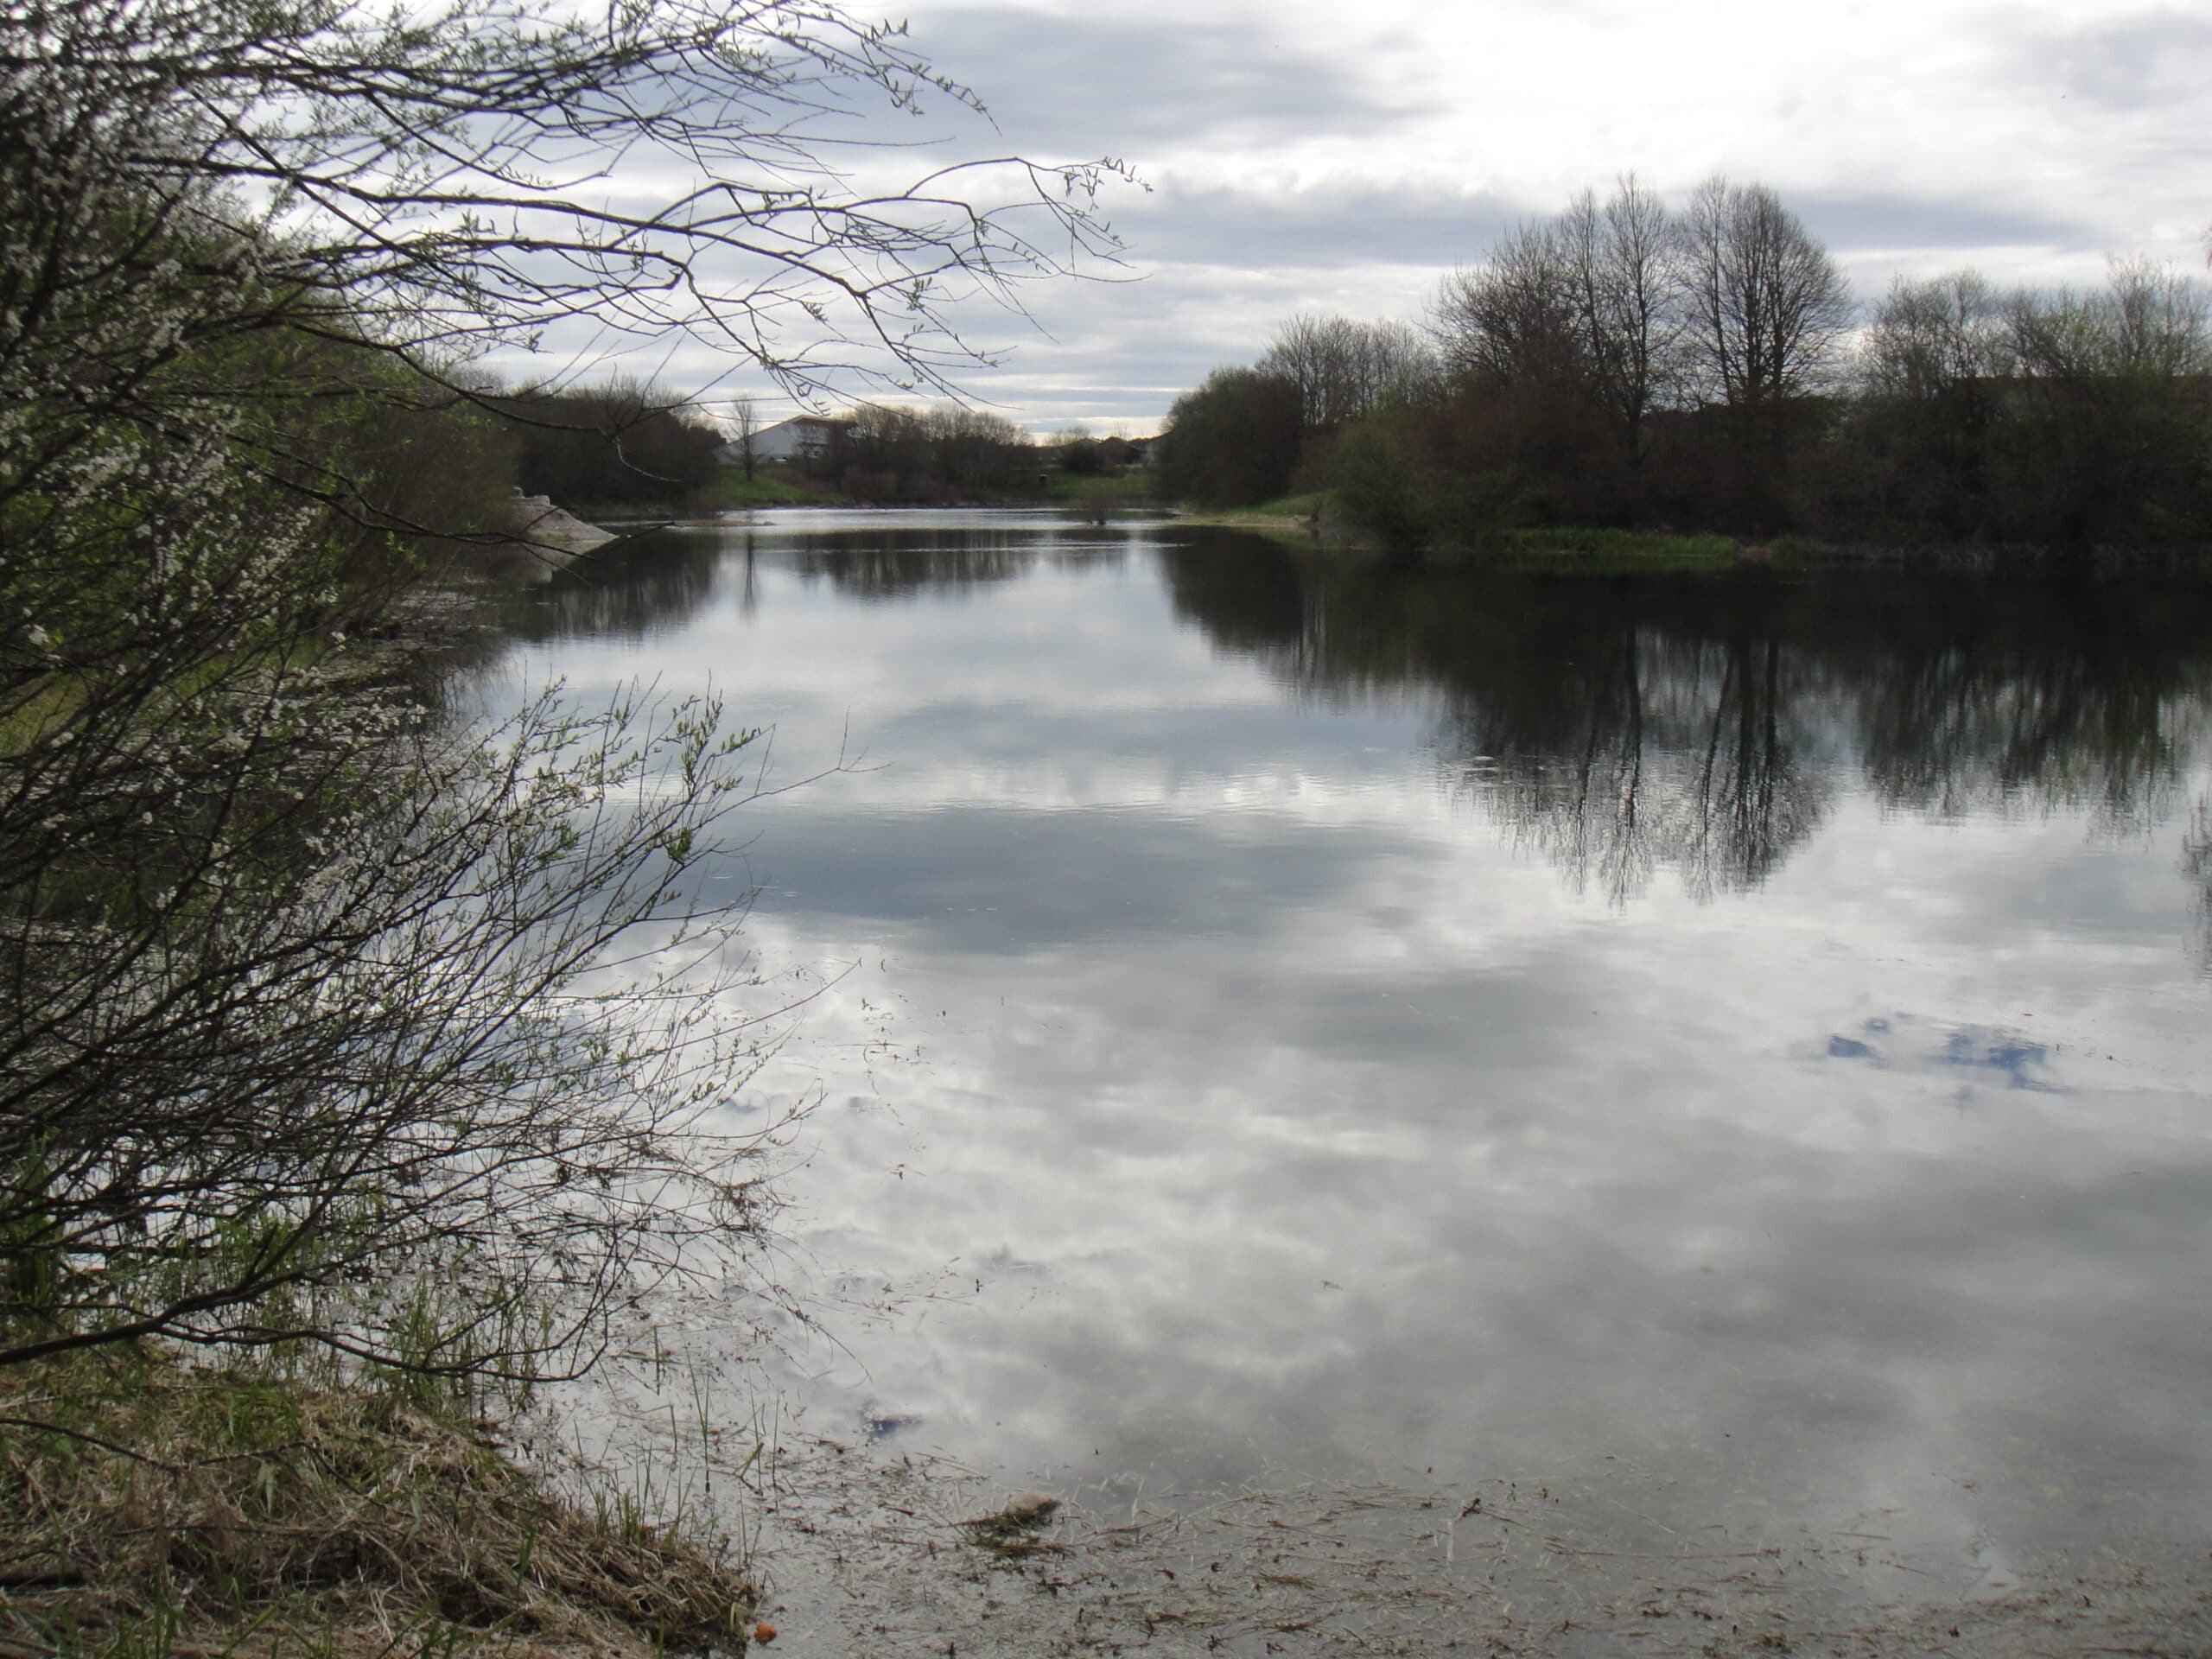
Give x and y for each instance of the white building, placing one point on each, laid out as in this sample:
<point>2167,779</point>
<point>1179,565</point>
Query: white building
<point>803,437</point>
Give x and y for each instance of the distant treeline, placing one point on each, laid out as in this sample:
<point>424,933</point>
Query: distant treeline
<point>630,445</point>
<point>949,456</point>
<point>1624,363</point>
<point>929,456</point>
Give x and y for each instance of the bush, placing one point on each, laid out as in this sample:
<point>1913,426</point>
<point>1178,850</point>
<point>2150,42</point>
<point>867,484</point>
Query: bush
<point>1233,441</point>
<point>323,1023</point>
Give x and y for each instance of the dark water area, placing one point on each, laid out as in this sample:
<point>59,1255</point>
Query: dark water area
<point>1292,1016</point>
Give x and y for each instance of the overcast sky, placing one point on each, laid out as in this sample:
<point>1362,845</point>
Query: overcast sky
<point>1303,156</point>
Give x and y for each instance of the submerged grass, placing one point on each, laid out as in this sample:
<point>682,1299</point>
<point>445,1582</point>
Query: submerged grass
<point>150,1508</point>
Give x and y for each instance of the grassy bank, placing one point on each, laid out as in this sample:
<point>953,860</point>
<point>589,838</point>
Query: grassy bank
<point>732,491</point>
<point>150,1508</point>
<point>1289,512</point>
<point>1575,551</point>
<point>767,487</point>
<point>1132,488</point>
<point>1616,552</point>
<point>1294,520</point>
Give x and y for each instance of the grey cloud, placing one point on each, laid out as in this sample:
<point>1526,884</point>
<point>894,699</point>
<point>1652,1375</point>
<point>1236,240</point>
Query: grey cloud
<point>1125,352</point>
<point>1851,222</point>
<point>1335,227</point>
<point>1092,81</point>
<point>2130,63</point>
<point>1385,224</point>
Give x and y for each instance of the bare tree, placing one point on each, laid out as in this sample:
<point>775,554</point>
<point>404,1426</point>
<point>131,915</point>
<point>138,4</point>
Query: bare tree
<point>745,416</point>
<point>1528,410</point>
<point>1767,308</point>
<point>2152,320</point>
<point>1931,336</point>
<point>2107,438</point>
<point>2161,319</point>
<point>1512,321</point>
<point>1398,365</point>
<point>1344,367</point>
<point>1933,375</point>
<point>1619,261</point>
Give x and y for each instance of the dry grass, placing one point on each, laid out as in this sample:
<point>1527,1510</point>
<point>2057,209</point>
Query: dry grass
<point>148,1508</point>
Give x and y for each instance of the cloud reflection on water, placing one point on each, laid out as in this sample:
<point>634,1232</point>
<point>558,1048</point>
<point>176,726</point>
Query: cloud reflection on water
<point>1265,1098</point>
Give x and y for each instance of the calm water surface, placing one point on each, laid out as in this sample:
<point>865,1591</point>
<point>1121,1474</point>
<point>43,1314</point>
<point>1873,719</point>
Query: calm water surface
<point>1299,1017</point>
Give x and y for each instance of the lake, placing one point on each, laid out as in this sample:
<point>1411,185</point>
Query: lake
<point>1728,1053</point>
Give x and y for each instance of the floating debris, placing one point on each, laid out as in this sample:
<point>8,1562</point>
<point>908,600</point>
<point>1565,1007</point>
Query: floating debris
<point>1025,1512</point>
<point>1316,1571</point>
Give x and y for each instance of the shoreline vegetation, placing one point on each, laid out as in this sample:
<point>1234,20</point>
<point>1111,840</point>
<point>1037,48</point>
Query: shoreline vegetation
<point>150,1507</point>
<point>1316,519</point>
<point>1564,550</point>
<point>1244,471</point>
<point>369,1062</point>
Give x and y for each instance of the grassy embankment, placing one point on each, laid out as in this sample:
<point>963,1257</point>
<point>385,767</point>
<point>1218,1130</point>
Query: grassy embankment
<point>1289,512</point>
<point>1117,491</point>
<point>1616,552</point>
<point>731,492</point>
<point>151,1510</point>
<point>1290,521</point>
<point>1584,552</point>
<point>765,488</point>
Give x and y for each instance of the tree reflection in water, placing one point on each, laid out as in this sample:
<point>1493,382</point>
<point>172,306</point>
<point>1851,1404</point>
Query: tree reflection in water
<point>1619,727</point>
<point>2197,865</point>
<point>897,564</point>
<point>1624,727</point>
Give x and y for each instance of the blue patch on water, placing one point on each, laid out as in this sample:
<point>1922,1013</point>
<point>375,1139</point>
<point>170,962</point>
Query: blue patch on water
<point>1884,1043</point>
<point>1995,1051</point>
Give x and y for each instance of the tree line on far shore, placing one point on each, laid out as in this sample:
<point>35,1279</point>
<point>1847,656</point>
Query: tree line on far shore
<point>627,444</point>
<point>1708,367</point>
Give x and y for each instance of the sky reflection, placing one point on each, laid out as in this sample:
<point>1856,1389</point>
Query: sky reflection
<point>1247,1061</point>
